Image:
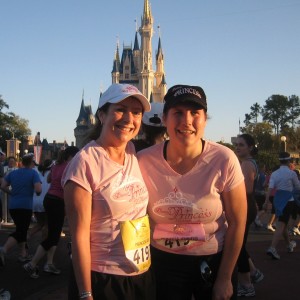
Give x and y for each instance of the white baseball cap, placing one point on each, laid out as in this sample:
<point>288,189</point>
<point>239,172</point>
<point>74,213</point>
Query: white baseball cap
<point>118,92</point>
<point>155,116</point>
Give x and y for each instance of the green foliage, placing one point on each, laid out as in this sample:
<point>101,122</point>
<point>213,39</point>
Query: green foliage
<point>280,116</point>
<point>262,133</point>
<point>269,159</point>
<point>11,125</point>
<point>281,111</point>
<point>294,103</point>
<point>230,146</point>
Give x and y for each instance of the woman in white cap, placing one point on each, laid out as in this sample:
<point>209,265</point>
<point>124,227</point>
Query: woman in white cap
<point>106,201</point>
<point>193,184</point>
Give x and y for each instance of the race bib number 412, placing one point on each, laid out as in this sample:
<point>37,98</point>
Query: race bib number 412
<point>136,241</point>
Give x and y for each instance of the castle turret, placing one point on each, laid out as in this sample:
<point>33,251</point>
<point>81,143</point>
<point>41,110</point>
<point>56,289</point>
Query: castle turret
<point>116,66</point>
<point>160,87</point>
<point>84,121</point>
<point>135,66</point>
<point>136,53</point>
<point>146,75</point>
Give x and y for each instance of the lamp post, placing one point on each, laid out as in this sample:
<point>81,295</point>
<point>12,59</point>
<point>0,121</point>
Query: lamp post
<point>283,141</point>
<point>18,155</point>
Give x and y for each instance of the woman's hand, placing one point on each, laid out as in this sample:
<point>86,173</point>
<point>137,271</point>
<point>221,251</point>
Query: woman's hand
<point>222,290</point>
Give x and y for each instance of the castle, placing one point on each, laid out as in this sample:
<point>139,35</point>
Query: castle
<point>135,67</point>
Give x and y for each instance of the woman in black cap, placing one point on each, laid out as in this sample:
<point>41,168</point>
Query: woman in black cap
<point>192,184</point>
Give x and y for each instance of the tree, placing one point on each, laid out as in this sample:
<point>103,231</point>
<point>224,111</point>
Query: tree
<point>275,111</point>
<point>262,133</point>
<point>256,109</point>
<point>3,116</point>
<point>294,111</point>
<point>11,125</point>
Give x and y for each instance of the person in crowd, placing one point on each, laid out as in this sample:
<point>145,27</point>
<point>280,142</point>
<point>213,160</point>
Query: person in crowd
<point>245,151</point>
<point>295,220</point>
<point>11,166</point>
<point>154,131</point>
<point>193,183</point>
<point>260,194</point>
<point>272,219</point>
<point>2,163</point>
<point>106,202</point>
<point>38,202</point>
<point>55,211</point>
<point>285,181</point>
<point>20,184</point>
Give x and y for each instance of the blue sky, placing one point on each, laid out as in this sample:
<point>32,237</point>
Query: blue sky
<point>239,51</point>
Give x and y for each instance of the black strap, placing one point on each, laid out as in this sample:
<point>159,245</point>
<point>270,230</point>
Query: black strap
<point>166,143</point>
<point>165,149</point>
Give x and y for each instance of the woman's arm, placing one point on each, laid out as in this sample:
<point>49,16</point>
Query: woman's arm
<point>49,177</point>
<point>5,186</point>
<point>235,206</point>
<point>249,172</point>
<point>38,188</point>
<point>78,203</point>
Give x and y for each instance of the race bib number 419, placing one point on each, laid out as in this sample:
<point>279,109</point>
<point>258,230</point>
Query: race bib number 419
<point>136,241</point>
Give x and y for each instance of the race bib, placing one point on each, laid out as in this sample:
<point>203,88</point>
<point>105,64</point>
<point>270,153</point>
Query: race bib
<point>190,231</point>
<point>136,242</point>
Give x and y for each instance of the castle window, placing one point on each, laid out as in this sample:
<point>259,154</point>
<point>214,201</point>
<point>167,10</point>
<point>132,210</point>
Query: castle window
<point>127,68</point>
<point>126,76</point>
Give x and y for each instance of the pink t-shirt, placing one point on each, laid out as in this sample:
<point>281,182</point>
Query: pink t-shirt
<point>118,194</point>
<point>192,198</point>
<point>55,187</point>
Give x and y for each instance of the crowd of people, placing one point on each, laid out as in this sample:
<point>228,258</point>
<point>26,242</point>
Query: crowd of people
<point>163,216</point>
<point>34,191</point>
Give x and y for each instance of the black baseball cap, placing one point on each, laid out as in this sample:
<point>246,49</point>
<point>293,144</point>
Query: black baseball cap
<point>185,93</point>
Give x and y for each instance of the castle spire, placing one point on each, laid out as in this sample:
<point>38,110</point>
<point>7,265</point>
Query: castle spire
<point>136,43</point>
<point>147,12</point>
<point>117,55</point>
<point>116,62</point>
<point>159,48</point>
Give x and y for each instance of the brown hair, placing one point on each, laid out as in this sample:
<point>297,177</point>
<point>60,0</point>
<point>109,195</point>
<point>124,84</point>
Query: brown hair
<point>95,131</point>
<point>27,160</point>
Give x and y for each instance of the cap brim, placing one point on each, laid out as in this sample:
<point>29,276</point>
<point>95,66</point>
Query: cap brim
<point>188,100</point>
<point>142,99</point>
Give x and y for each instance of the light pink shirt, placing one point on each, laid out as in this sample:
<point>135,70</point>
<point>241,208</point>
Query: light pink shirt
<point>194,197</point>
<point>118,194</point>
